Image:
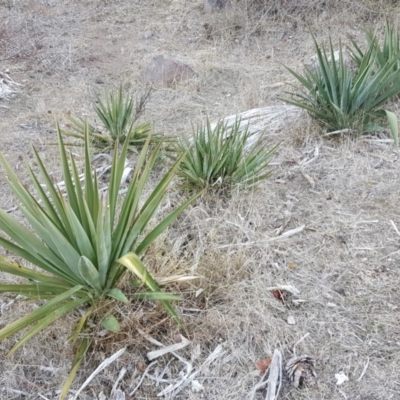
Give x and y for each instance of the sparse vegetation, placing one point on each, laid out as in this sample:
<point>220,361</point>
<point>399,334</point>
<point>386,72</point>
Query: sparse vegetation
<point>219,157</point>
<point>85,242</point>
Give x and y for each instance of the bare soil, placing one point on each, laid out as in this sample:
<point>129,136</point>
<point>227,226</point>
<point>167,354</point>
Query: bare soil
<point>345,192</point>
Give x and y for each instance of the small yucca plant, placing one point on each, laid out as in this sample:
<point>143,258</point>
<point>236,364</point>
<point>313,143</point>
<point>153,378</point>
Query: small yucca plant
<point>218,157</point>
<point>342,99</point>
<point>84,242</point>
<point>118,114</point>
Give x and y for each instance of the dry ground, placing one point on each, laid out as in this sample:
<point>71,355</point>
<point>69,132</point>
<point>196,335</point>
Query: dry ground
<point>345,262</point>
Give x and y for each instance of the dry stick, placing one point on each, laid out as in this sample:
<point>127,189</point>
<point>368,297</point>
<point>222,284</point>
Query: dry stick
<point>186,380</point>
<point>275,376</point>
<point>309,179</point>
<point>364,370</point>
<point>157,343</point>
<point>103,365</point>
<point>395,227</point>
<point>315,156</point>
<point>338,132</point>
<point>151,355</point>
<point>120,376</point>
<point>280,237</point>
<point>298,342</point>
<point>260,385</point>
<point>141,379</point>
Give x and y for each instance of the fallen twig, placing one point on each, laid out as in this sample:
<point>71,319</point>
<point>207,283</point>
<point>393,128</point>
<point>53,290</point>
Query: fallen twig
<point>298,342</point>
<point>103,365</point>
<point>364,370</point>
<point>141,379</point>
<point>284,235</point>
<point>275,376</point>
<point>260,385</point>
<point>151,355</point>
<point>120,376</point>
<point>176,388</point>
<point>395,227</point>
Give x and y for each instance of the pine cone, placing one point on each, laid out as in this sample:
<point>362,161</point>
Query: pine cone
<point>300,370</point>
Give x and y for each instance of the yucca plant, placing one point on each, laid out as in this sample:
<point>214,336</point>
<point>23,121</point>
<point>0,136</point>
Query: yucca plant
<point>84,242</point>
<point>219,157</point>
<point>381,54</point>
<point>342,99</point>
<point>118,114</point>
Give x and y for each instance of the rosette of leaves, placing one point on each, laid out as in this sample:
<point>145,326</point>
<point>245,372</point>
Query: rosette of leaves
<point>83,242</point>
<point>221,156</point>
<point>118,114</point>
<point>346,100</point>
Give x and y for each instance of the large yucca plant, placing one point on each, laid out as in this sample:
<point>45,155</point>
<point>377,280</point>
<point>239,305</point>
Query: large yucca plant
<point>84,242</point>
<point>342,99</point>
<point>218,157</point>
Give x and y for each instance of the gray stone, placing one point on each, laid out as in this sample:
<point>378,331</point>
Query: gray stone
<point>148,34</point>
<point>163,71</point>
<point>215,5</point>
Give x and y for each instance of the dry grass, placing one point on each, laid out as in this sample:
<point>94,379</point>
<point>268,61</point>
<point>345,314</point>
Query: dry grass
<point>344,190</point>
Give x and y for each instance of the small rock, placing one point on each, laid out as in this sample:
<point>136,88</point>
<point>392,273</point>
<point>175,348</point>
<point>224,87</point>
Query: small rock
<point>167,71</point>
<point>291,320</point>
<point>215,5</point>
<point>197,386</point>
<point>118,395</point>
<point>341,378</point>
<point>99,81</point>
<point>148,34</point>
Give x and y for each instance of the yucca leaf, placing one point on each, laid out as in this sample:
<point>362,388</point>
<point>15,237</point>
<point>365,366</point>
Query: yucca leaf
<point>54,195</point>
<point>148,209</point>
<point>117,169</point>
<point>14,269</point>
<point>118,295</point>
<point>39,313</point>
<point>157,296</point>
<point>91,189</point>
<point>69,185</point>
<point>78,358</point>
<point>36,289</point>
<point>131,201</point>
<point>164,225</point>
<point>84,220</point>
<point>46,321</point>
<point>32,249</point>
<point>392,119</point>
<point>110,323</point>
<point>80,326</point>
<point>83,242</point>
<point>133,263</point>
<point>46,204</point>
<point>89,274</point>
<point>103,242</point>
